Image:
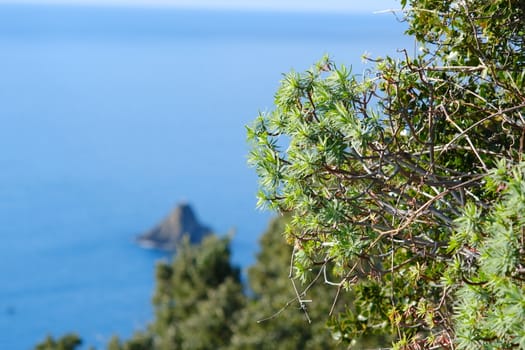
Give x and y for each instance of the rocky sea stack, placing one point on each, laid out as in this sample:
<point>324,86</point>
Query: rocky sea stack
<point>167,234</point>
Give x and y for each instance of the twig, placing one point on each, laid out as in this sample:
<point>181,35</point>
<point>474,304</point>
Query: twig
<point>466,137</point>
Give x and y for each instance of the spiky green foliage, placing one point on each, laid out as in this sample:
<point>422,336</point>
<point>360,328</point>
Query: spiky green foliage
<point>377,170</point>
<point>490,304</point>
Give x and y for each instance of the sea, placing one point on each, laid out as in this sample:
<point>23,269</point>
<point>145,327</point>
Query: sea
<point>110,117</point>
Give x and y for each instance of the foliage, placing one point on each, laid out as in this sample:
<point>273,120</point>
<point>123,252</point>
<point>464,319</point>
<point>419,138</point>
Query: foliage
<point>490,305</point>
<point>273,318</point>
<point>139,341</point>
<point>196,300</point>
<point>69,341</point>
<point>380,171</point>
<point>200,304</point>
<point>196,297</point>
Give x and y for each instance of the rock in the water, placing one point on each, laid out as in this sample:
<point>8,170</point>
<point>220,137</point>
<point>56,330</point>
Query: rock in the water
<point>181,222</point>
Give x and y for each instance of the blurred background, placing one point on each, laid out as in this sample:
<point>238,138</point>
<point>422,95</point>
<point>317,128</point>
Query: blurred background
<point>112,112</point>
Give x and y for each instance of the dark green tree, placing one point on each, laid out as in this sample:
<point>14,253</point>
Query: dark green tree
<point>139,341</point>
<point>70,341</point>
<point>273,317</point>
<point>196,297</point>
<point>196,300</point>
<point>392,180</point>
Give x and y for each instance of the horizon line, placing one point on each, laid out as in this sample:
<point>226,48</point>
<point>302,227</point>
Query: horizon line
<point>228,5</point>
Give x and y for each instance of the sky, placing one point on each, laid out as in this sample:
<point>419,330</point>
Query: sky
<point>338,6</point>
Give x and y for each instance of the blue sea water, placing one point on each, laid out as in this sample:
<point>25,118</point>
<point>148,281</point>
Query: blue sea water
<point>108,118</point>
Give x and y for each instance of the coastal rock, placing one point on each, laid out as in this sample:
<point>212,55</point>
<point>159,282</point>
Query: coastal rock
<point>168,233</point>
